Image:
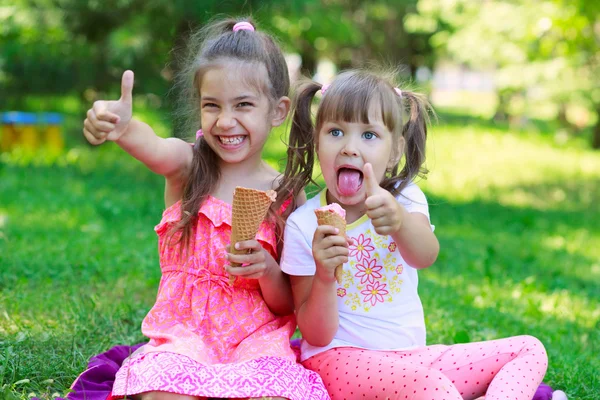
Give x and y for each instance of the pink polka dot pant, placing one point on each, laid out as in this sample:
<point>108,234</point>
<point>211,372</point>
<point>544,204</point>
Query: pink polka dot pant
<point>510,368</point>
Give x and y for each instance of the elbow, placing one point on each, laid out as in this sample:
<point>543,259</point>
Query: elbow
<point>318,336</point>
<point>283,310</point>
<point>427,259</point>
<point>318,340</point>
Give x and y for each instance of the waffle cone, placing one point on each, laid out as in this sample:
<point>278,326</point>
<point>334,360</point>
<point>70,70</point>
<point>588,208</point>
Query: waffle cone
<point>337,221</point>
<point>250,207</point>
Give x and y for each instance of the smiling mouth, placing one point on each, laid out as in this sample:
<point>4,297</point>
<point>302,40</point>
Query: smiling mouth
<point>349,181</point>
<point>231,140</point>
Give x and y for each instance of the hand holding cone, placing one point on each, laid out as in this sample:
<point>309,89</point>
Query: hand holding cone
<point>250,207</point>
<point>335,216</point>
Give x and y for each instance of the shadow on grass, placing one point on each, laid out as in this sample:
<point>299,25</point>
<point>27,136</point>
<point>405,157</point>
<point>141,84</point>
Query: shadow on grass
<point>557,246</point>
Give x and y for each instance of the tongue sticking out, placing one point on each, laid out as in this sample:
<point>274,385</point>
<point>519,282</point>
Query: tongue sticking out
<point>349,181</point>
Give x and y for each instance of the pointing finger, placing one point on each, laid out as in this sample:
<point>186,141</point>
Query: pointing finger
<point>127,86</point>
<point>370,181</point>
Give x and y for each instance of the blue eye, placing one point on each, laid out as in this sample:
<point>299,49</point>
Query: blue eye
<point>369,135</point>
<point>336,132</point>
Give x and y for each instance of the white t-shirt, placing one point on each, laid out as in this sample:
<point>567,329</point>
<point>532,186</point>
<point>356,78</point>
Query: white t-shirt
<point>379,307</point>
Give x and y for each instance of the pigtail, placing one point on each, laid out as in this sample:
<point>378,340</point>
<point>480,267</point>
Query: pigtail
<point>415,136</point>
<point>301,146</point>
<point>204,164</point>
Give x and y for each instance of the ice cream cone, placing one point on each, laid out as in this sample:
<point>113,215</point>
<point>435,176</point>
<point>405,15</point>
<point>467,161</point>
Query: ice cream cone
<point>333,217</point>
<point>250,207</point>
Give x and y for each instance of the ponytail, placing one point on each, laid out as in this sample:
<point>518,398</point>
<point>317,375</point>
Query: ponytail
<point>414,133</point>
<point>301,146</point>
<point>205,165</point>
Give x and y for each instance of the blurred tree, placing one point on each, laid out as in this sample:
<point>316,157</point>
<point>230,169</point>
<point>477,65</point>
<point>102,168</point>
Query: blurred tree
<point>550,46</point>
<point>58,47</point>
<point>352,33</point>
<point>50,47</point>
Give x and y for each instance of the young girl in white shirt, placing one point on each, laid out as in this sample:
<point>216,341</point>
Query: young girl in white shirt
<point>365,336</point>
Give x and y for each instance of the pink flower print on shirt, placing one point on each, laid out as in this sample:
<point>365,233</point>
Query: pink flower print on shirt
<point>374,293</point>
<point>361,247</point>
<point>368,271</point>
<point>341,292</point>
<point>399,269</point>
<point>392,247</point>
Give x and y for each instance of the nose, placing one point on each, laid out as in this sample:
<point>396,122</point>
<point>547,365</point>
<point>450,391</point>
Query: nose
<point>350,148</point>
<point>225,121</point>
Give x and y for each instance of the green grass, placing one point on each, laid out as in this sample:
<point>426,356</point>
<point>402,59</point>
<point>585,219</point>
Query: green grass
<point>516,214</point>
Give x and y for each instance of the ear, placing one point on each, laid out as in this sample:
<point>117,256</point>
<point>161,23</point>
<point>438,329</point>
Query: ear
<point>395,158</point>
<point>280,111</point>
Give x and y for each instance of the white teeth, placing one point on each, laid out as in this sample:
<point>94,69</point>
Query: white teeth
<point>231,139</point>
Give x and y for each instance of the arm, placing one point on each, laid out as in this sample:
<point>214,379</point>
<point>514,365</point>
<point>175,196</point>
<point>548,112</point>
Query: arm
<point>316,308</point>
<point>111,120</point>
<point>315,297</point>
<point>167,157</point>
<point>416,242</point>
<point>259,264</point>
<point>411,231</point>
<point>276,290</point>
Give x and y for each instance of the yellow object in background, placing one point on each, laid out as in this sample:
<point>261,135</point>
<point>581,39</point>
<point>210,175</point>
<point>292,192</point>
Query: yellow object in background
<point>28,137</point>
<point>31,131</point>
<point>8,137</point>
<point>54,138</point>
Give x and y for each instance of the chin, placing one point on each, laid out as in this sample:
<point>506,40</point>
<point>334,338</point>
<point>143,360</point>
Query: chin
<point>352,200</point>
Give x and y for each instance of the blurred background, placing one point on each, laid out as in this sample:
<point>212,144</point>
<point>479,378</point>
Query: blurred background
<point>514,160</point>
<point>514,61</point>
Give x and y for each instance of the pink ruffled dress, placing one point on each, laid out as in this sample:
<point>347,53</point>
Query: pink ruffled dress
<point>208,338</point>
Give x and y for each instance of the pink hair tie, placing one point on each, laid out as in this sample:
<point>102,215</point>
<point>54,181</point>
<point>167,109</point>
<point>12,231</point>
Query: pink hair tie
<point>324,88</point>
<point>243,26</point>
<point>398,91</point>
<point>199,134</point>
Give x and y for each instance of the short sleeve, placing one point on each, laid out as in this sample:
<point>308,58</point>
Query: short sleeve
<point>296,257</point>
<point>413,199</point>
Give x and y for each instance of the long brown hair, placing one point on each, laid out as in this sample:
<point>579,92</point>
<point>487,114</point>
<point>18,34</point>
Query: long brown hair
<point>349,98</point>
<point>212,47</point>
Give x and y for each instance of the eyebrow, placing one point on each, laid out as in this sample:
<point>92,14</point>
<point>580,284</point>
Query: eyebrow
<point>372,126</point>
<point>238,98</point>
<point>365,126</point>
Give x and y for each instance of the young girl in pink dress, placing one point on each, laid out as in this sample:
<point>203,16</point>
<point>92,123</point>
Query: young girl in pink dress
<point>365,336</point>
<point>208,338</point>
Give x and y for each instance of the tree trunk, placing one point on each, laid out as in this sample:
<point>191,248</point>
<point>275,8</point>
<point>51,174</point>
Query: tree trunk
<point>309,62</point>
<point>502,107</point>
<point>596,137</point>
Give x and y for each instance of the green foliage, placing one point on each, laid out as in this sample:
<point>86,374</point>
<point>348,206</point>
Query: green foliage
<point>82,47</point>
<point>351,33</point>
<point>515,214</point>
<point>546,50</point>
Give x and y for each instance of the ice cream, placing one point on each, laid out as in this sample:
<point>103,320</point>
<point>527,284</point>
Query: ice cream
<point>333,215</point>
<point>250,207</point>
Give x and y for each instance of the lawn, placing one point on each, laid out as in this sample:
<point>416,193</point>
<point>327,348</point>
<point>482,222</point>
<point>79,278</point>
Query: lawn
<point>516,215</point>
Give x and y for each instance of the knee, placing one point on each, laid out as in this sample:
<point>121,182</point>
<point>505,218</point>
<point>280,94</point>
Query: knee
<point>534,344</point>
<point>535,348</point>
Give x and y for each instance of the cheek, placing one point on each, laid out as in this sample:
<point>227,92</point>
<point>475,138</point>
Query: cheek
<point>205,117</point>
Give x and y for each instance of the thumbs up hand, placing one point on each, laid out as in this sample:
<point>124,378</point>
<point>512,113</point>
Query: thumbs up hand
<point>109,119</point>
<point>382,208</point>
